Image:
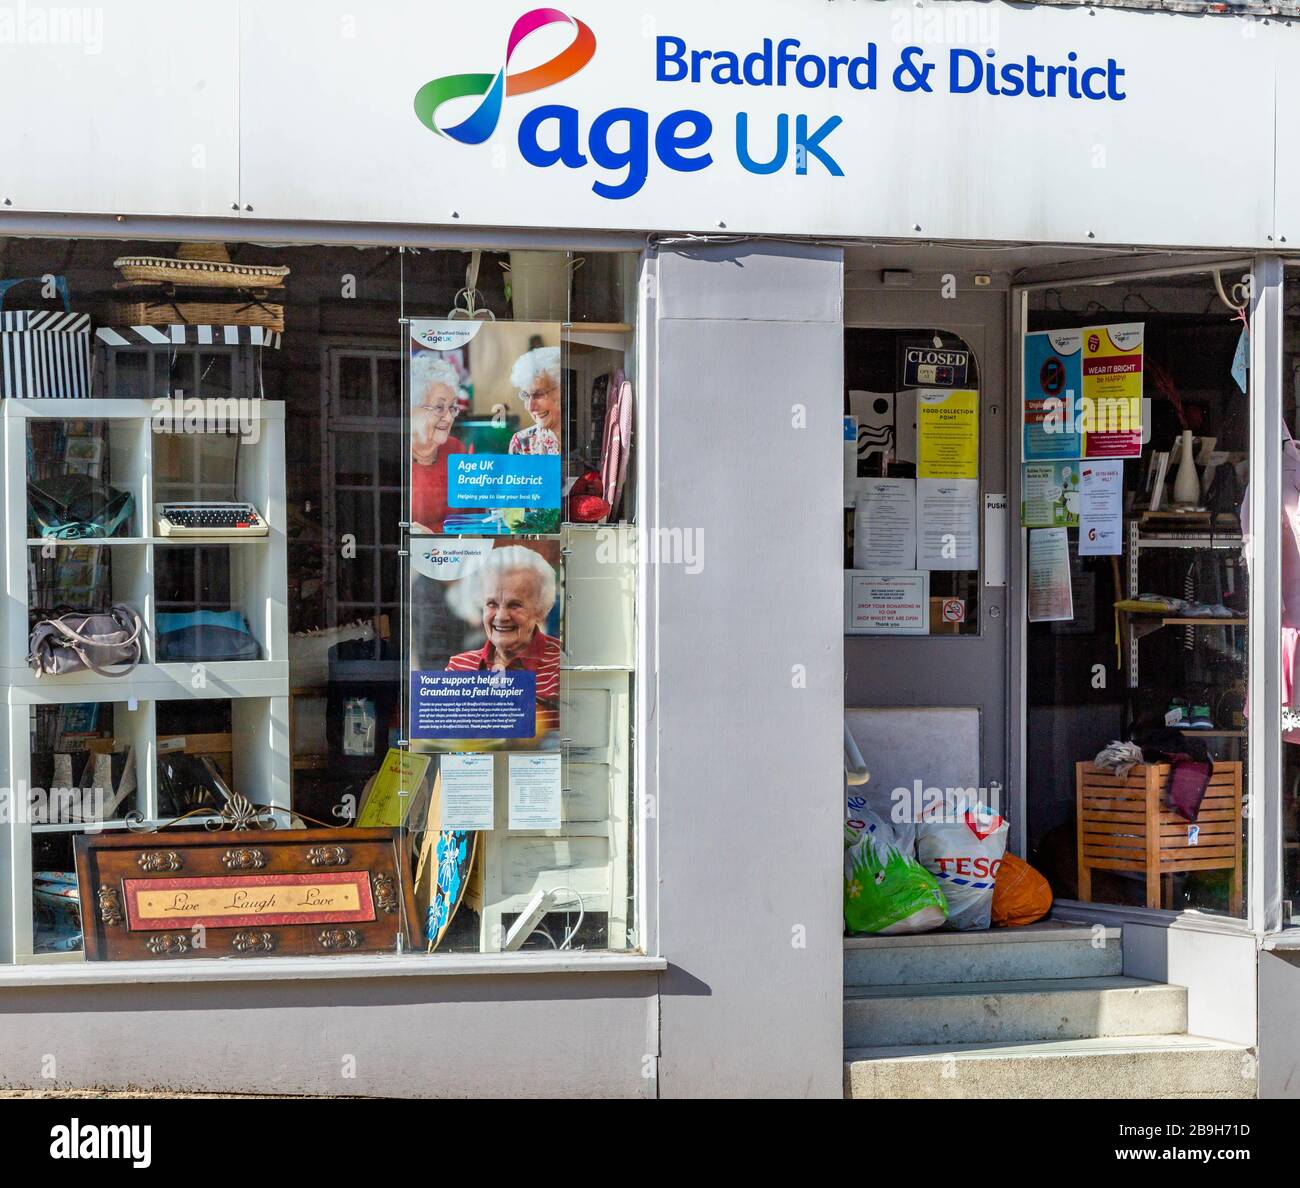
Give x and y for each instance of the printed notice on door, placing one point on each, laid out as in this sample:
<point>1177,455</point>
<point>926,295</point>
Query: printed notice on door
<point>887,603</point>
<point>1050,597</point>
<point>948,433</point>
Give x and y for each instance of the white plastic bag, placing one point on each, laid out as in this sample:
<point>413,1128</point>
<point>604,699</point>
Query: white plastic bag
<point>859,801</point>
<point>961,842</point>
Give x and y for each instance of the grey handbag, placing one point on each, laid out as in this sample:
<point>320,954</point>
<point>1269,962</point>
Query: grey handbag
<point>87,639</point>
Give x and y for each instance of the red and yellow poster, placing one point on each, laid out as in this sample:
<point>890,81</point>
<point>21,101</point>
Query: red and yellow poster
<point>1111,416</point>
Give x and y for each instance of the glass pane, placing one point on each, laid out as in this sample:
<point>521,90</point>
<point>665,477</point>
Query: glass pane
<point>355,390</point>
<point>355,516</point>
<point>391,457</point>
<point>390,516</point>
<point>577,860</point>
<point>345,366</point>
<point>913,401</point>
<point>354,458</point>
<point>216,376</point>
<point>389,392</point>
<point>1139,437</point>
<point>130,376</point>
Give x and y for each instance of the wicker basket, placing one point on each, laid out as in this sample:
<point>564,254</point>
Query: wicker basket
<point>214,253</point>
<point>208,273</point>
<point>197,313</point>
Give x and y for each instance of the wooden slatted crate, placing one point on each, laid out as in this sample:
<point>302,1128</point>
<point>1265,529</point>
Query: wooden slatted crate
<point>1124,824</point>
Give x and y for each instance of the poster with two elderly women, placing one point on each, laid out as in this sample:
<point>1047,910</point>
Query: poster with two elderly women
<point>486,423</point>
<point>486,410</point>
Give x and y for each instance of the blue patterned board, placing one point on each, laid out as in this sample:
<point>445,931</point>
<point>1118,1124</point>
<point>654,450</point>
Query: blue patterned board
<point>455,857</point>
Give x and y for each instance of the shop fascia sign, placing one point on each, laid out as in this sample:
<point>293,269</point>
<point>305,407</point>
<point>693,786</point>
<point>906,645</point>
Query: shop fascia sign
<point>621,145</point>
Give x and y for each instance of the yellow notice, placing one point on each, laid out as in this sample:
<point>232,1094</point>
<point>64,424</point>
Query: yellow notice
<point>385,806</point>
<point>948,433</point>
<point>249,902</point>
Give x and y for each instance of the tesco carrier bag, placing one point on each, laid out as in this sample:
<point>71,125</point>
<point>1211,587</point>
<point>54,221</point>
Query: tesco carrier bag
<point>962,843</point>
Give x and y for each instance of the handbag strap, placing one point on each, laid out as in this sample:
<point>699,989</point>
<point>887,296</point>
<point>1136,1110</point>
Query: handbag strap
<point>60,287</point>
<point>121,614</point>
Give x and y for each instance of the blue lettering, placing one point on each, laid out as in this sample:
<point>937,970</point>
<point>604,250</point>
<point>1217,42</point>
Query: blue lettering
<point>664,58</point>
<point>810,70</point>
<point>955,58</point>
<point>1086,84</point>
<point>782,144</point>
<point>726,68</point>
<point>1033,67</point>
<point>758,65</point>
<point>805,145</point>
<point>1113,73</point>
<point>635,157</point>
<point>855,80</point>
<point>566,150</point>
<point>670,141</point>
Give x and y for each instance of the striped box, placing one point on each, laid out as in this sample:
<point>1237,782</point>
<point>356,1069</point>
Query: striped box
<point>45,355</point>
<point>189,335</point>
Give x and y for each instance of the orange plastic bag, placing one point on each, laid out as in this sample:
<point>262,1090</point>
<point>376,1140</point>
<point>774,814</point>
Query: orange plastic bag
<point>1020,894</point>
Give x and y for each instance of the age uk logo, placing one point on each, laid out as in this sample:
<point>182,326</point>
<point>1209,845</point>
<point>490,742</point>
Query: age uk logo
<point>495,88</point>
<point>623,142</point>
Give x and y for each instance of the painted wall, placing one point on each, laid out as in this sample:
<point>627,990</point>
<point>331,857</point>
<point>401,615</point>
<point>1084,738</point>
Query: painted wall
<point>1217,968</point>
<point>749,696</point>
<point>1279,1039</point>
<point>531,1036</point>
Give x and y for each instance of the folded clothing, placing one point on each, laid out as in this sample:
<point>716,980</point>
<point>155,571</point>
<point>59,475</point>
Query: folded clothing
<point>1190,768</point>
<point>1160,604</point>
<point>1119,757</point>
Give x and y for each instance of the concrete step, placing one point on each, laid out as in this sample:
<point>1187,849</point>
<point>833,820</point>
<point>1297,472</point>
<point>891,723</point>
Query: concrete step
<point>1011,1012</point>
<point>1047,950</point>
<point>1136,1066</point>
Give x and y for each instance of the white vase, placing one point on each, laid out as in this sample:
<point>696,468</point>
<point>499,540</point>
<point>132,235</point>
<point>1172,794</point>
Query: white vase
<point>1187,485</point>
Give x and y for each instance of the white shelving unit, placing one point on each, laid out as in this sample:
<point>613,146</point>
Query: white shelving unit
<point>258,691</point>
<point>589,854</point>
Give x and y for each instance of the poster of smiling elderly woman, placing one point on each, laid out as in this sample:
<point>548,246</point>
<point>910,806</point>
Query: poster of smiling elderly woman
<point>485,643</point>
<point>486,402</point>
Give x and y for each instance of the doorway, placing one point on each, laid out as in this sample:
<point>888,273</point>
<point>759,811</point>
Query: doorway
<point>926,698</point>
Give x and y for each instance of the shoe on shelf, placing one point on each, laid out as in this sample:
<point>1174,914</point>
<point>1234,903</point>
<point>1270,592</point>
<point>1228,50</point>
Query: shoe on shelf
<point>1177,716</point>
<point>1200,719</point>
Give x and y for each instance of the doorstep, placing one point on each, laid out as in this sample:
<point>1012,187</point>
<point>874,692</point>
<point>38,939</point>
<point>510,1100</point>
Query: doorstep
<point>1160,1067</point>
<point>1044,930</point>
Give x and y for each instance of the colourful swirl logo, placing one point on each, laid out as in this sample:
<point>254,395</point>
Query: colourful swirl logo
<point>495,88</point>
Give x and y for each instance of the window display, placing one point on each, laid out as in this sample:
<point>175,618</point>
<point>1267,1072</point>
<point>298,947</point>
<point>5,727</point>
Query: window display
<point>242,531</point>
<point>1134,461</point>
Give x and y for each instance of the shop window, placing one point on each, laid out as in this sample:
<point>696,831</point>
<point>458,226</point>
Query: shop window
<point>911,483</point>
<point>1289,629</point>
<point>247,496</point>
<point>1134,463</point>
